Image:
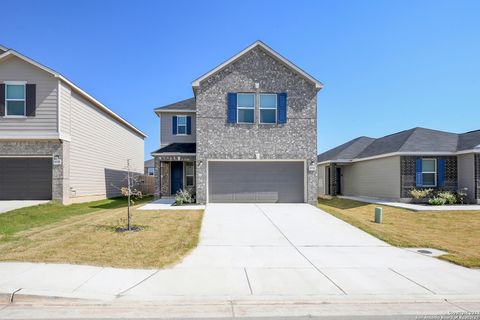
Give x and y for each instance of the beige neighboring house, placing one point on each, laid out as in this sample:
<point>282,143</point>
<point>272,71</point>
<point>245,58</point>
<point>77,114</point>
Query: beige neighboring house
<point>56,141</point>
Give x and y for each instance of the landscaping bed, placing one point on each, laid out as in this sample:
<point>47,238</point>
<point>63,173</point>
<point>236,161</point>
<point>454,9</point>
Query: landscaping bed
<point>88,234</point>
<point>457,232</point>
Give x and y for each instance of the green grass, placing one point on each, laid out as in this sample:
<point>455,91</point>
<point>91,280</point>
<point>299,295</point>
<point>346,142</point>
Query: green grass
<point>23,219</point>
<point>457,232</point>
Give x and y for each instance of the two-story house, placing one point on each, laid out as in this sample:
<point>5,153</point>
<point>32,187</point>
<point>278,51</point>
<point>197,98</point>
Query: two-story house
<point>249,134</point>
<point>57,141</point>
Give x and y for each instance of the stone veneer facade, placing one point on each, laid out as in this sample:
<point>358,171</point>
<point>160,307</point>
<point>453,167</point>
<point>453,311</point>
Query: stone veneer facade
<point>217,139</point>
<point>60,179</point>
<point>408,174</point>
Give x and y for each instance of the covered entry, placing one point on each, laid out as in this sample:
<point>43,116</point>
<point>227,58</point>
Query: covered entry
<point>256,181</point>
<point>25,178</point>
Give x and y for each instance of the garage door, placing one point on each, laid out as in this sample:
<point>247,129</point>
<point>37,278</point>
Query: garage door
<point>25,178</point>
<point>255,181</point>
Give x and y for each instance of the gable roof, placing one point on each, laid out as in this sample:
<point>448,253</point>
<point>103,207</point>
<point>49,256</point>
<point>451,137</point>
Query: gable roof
<point>98,104</point>
<point>187,105</point>
<point>346,151</point>
<point>469,140</point>
<point>258,43</point>
<point>412,141</point>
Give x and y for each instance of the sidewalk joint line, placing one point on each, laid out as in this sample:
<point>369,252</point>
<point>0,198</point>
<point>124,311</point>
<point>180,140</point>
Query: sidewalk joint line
<point>248,281</point>
<point>298,250</point>
<point>89,278</point>
<point>453,304</point>
<point>142,281</point>
<point>418,284</point>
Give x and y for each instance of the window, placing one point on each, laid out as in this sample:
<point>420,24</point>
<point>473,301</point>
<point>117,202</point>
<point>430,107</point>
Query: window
<point>181,124</point>
<point>268,108</point>
<point>151,171</point>
<point>189,174</point>
<point>429,172</point>
<point>15,100</point>
<point>245,107</point>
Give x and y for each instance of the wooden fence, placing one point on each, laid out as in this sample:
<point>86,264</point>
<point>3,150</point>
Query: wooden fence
<point>146,184</point>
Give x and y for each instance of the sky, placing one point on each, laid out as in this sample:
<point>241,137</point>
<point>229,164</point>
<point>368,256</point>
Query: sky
<point>387,66</point>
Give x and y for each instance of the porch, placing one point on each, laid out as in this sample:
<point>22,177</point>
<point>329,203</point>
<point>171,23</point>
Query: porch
<point>174,169</point>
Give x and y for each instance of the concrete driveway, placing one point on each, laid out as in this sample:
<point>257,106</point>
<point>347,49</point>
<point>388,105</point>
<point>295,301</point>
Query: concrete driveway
<point>267,250</point>
<point>264,251</point>
<point>8,205</point>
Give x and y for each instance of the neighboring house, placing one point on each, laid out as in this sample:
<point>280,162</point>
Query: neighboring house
<point>391,166</point>
<point>149,167</point>
<point>56,141</point>
<point>248,135</point>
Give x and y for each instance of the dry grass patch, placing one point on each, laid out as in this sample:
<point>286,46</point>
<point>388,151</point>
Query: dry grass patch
<point>457,232</point>
<point>92,239</point>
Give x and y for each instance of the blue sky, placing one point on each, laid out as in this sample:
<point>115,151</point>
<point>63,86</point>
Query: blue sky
<point>386,65</point>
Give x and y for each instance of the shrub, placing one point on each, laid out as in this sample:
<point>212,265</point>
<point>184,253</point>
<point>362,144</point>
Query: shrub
<point>461,195</point>
<point>449,197</point>
<point>420,193</point>
<point>436,201</point>
<point>183,197</point>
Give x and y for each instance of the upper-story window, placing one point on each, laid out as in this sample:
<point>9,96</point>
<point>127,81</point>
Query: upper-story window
<point>268,108</point>
<point>15,99</point>
<point>245,107</point>
<point>181,124</point>
<point>429,172</point>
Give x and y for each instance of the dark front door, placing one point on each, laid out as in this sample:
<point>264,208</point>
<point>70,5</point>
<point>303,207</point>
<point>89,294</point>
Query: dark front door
<point>339,180</point>
<point>177,176</point>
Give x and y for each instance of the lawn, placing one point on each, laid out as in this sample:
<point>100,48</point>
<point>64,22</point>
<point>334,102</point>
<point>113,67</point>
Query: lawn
<point>457,232</point>
<point>87,234</point>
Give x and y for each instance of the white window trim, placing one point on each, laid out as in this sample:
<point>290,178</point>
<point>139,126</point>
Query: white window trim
<point>16,83</point>
<point>434,173</point>
<point>260,107</point>
<point>181,125</point>
<point>247,108</point>
<point>192,175</point>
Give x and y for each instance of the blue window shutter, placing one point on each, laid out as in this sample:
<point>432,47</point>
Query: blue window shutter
<point>441,172</point>
<point>418,169</point>
<point>189,125</point>
<point>282,107</point>
<point>174,125</point>
<point>232,107</point>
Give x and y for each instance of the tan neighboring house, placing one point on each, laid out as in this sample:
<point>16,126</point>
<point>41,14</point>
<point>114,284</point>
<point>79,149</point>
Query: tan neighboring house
<point>56,141</point>
<point>391,166</point>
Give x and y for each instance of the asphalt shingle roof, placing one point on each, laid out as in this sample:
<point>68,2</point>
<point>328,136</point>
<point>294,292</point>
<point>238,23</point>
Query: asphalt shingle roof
<point>413,140</point>
<point>187,104</point>
<point>178,148</point>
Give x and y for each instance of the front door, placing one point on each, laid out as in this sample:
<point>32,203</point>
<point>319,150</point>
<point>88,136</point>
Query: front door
<point>339,180</point>
<point>177,176</point>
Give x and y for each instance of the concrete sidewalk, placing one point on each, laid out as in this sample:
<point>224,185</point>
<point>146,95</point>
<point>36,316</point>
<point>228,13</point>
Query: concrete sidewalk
<point>415,207</point>
<point>264,252</point>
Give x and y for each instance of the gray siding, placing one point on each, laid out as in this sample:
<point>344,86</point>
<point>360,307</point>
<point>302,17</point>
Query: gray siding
<point>477,176</point>
<point>45,120</point>
<point>99,149</point>
<point>378,178</point>
<point>466,174</point>
<point>65,110</point>
<point>217,139</point>
<point>166,136</point>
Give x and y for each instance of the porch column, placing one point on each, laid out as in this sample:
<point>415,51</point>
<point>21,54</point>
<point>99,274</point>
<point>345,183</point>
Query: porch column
<point>333,179</point>
<point>158,178</point>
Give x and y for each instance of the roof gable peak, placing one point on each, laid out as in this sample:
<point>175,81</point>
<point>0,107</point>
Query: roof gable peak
<point>258,43</point>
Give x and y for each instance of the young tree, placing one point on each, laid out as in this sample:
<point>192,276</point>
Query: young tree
<point>130,192</point>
